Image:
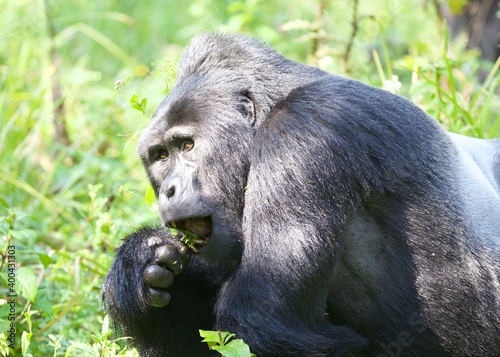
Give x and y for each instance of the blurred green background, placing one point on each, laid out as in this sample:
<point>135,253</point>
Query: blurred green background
<point>80,79</point>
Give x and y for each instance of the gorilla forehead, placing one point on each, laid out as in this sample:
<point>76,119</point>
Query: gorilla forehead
<point>201,97</point>
<point>203,102</point>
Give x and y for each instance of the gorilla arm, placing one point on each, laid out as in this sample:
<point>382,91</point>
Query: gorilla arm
<point>276,300</point>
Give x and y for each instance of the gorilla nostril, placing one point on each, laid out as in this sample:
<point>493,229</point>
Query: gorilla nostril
<point>172,186</point>
<point>170,192</point>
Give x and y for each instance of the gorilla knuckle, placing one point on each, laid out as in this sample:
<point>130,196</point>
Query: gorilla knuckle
<point>170,257</point>
<point>158,277</point>
<point>158,298</point>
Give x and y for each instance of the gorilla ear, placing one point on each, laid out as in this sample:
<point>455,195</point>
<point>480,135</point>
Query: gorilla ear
<point>247,108</point>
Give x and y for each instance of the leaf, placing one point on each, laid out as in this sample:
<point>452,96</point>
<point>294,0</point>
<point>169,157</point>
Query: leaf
<point>25,342</point>
<point>218,341</point>
<point>45,259</point>
<point>4,226</point>
<point>27,314</point>
<point>105,325</point>
<point>24,234</point>
<point>4,326</point>
<point>26,283</point>
<point>134,99</point>
<point>218,337</point>
<point>55,341</point>
<point>150,195</point>
<point>82,346</point>
<point>44,304</point>
<point>235,348</point>
<point>211,338</point>
<point>139,105</point>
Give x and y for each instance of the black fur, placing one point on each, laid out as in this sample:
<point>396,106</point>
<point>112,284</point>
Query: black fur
<point>345,220</point>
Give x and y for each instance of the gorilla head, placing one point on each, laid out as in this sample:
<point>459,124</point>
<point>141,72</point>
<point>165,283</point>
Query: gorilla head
<point>201,120</point>
<point>219,101</point>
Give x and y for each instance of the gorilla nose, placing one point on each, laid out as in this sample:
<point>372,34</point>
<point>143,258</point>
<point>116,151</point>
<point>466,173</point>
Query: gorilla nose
<point>171,186</point>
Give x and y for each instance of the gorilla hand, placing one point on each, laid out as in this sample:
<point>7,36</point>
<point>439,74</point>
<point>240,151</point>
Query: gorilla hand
<point>143,269</point>
<point>169,260</point>
<point>141,296</point>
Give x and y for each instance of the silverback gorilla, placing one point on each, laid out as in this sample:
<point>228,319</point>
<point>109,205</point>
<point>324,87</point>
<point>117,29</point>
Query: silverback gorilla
<point>333,218</point>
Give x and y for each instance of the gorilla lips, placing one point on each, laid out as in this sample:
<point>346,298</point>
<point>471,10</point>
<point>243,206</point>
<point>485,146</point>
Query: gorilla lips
<point>195,231</point>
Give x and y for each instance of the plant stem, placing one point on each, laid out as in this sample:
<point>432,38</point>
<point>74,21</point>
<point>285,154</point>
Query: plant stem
<point>316,31</point>
<point>61,132</point>
<point>354,32</point>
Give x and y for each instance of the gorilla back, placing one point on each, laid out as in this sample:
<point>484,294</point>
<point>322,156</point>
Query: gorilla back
<point>333,218</point>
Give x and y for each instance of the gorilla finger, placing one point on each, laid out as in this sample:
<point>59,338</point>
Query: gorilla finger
<point>158,297</point>
<point>157,277</point>
<point>169,257</point>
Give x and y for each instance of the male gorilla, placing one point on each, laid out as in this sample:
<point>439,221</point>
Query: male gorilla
<point>334,218</point>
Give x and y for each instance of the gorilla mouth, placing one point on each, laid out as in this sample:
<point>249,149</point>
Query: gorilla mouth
<point>195,231</point>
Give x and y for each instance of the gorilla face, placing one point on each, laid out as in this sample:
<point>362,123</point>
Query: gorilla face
<point>198,135</point>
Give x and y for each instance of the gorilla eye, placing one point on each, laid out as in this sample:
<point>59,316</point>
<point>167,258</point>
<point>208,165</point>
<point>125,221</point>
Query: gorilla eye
<point>158,153</point>
<point>187,145</point>
<point>163,155</point>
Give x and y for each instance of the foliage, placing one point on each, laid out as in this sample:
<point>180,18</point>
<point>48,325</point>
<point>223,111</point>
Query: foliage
<point>225,344</point>
<point>71,75</point>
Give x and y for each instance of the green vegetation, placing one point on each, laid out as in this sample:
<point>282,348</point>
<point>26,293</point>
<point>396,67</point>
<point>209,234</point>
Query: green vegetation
<point>226,344</point>
<point>80,79</point>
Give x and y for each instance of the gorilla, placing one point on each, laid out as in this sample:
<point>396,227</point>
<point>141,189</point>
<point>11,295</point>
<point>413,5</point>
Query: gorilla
<point>331,218</point>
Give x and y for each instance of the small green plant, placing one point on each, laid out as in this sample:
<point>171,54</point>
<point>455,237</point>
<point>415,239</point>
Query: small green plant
<point>101,344</point>
<point>139,104</point>
<point>225,343</point>
<point>26,336</point>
